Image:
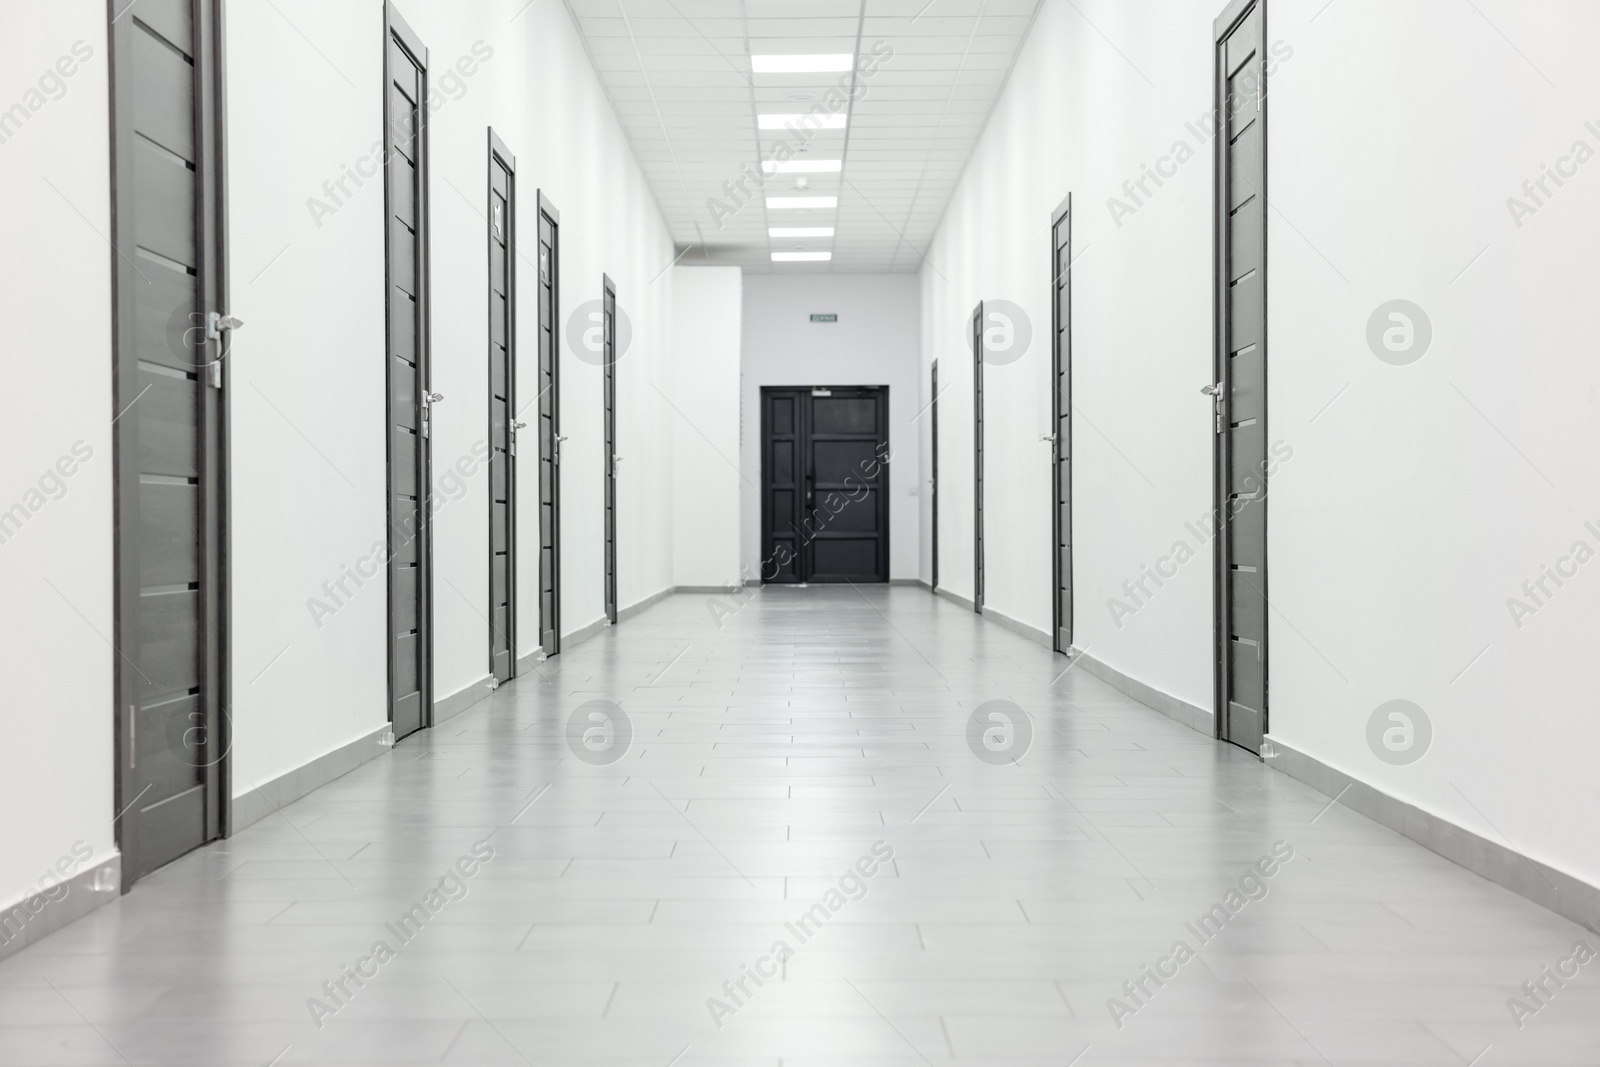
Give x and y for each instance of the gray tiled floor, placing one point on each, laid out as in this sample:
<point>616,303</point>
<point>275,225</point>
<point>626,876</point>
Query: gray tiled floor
<point>768,755</point>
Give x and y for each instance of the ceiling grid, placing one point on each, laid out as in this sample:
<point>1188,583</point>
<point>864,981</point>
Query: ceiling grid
<point>680,76</point>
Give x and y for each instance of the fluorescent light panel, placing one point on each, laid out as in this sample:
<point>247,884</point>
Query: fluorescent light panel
<point>815,122</point>
<point>802,166</point>
<point>831,63</point>
<point>800,231</point>
<point>801,257</point>
<point>802,201</point>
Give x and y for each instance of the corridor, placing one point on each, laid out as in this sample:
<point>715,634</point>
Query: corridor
<point>799,533</point>
<point>795,767</point>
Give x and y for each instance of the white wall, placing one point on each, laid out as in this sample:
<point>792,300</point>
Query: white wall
<point>306,384</point>
<point>55,656</point>
<point>1078,118</point>
<point>1422,499</point>
<point>1418,501</point>
<point>314,347</point>
<point>703,398</point>
<point>875,342</point>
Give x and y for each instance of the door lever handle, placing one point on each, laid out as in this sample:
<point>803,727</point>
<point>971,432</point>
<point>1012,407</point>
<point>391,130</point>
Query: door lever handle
<point>1212,390</point>
<point>432,398</point>
<point>216,322</point>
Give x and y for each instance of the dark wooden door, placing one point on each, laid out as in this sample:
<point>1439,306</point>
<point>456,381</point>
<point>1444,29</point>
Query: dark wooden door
<point>933,480</point>
<point>825,484</point>
<point>549,290</point>
<point>1061,421</point>
<point>608,368</point>
<point>410,402</point>
<point>976,329</point>
<point>1240,387</point>
<point>170,376</point>
<point>503,423</point>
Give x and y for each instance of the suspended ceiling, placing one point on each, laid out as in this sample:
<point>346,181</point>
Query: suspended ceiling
<point>679,73</point>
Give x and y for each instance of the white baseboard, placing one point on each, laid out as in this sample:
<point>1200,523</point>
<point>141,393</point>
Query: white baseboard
<point>1527,877</point>
<point>1196,718</point>
<point>41,914</point>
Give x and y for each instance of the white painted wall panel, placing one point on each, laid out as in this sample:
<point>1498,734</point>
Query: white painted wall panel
<point>56,620</point>
<point>702,399</point>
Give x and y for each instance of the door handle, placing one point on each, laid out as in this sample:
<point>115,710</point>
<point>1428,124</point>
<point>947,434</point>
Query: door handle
<point>428,400</point>
<point>1219,392</point>
<point>216,322</point>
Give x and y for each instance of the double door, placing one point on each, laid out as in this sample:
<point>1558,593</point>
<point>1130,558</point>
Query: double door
<point>825,484</point>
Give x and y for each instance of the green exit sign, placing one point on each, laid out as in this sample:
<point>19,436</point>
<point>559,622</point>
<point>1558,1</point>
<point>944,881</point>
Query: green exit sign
<point>824,318</point>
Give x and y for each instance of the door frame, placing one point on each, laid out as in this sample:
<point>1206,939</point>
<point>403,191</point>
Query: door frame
<point>216,658</point>
<point>608,418</point>
<point>547,211</point>
<point>1225,23</point>
<point>1061,360</point>
<point>975,330</point>
<point>933,480</point>
<point>397,31</point>
<point>502,156</point>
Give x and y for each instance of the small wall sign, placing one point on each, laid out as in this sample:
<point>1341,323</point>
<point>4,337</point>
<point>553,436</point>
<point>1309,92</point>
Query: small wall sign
<point>824,318</point>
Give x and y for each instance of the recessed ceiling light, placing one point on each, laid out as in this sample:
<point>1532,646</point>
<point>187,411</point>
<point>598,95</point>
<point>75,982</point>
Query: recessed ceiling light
<point>800,231</point>
<point>815,122</point>
<point>830,63</point>
<point>801,257</point>
<point>802,166</point>
<point>800,96</point>
<point>802,201</point>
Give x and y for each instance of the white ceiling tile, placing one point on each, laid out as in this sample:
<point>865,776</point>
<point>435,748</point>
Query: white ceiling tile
<point>689,109</point>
